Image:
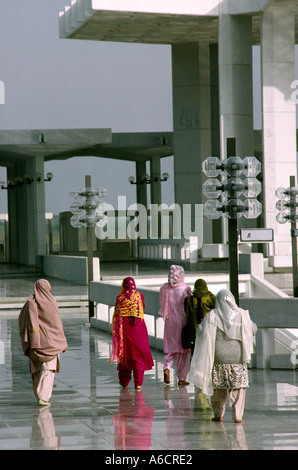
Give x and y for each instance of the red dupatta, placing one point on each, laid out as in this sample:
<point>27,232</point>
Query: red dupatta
<point>129,303</point>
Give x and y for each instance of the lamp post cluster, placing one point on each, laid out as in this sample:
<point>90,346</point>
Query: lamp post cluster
<point>85,205</point>
<point>87,212</point>
<point>26,179</point>
<point>230,188</point>
<point>147,180</point>
<point>287,207</point>
<point>287,204</point>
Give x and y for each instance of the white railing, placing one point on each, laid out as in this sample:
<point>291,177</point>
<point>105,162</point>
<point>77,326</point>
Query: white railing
<point>104,294</point>
<point>169,249</point>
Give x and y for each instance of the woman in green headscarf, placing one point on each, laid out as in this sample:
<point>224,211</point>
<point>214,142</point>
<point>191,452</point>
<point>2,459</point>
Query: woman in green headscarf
<point>198,304</point>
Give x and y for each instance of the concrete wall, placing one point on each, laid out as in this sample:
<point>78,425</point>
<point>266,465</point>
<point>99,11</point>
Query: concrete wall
<point>71,268</point>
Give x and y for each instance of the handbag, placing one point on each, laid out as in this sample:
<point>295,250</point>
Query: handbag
<point>188,336</point>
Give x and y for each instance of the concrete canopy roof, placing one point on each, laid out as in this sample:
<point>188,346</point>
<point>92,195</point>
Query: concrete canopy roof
<point>50,143</point>
<point>62,144</point>
<point>158,21</point>
<point>138,146</point>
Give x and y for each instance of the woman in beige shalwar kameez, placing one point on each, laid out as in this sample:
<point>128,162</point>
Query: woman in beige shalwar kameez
<point>224,344</point>
<point>42,338</point>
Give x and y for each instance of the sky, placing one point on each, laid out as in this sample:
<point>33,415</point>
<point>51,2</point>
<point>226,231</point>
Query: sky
<point>60,84</point>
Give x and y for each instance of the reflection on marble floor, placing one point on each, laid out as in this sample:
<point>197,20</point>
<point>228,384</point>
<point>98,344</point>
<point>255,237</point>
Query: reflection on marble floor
<point>15,280</point>
<point>90,410</point>
<point>23,287</point>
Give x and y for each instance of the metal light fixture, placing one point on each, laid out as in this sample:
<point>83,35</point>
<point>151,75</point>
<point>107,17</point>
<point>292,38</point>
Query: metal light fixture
<point>49,176</point>
<point>85,206</point>
<point>40,177</point>
<point>231,196</point>
<point>26,179</point>
<point>9,184</point>
<point>232,187</point>
<point>287,205</point>
<point>19,182</point>
<point>165,176</point>
<point>147,180</point>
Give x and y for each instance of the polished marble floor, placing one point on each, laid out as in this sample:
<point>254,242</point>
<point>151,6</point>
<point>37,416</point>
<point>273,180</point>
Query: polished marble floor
<point>90,411</point>
<point>16,281</point>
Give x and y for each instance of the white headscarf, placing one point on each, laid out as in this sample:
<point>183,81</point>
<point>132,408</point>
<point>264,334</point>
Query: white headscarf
<point>234,322</point>
<point>176,275</point>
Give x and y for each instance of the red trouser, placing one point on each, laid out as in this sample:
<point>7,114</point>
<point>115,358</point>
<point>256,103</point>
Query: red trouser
<point>125,376</point>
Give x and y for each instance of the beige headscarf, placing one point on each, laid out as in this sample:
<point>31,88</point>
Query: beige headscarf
<point>40,325</point>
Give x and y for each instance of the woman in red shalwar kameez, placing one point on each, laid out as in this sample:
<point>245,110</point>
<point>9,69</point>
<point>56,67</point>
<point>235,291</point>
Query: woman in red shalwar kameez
<point>130,337</point>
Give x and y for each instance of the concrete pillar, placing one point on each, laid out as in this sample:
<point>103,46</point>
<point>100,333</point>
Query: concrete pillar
<point>235,90</point>
<point>155,186</point>
<point>141,188</point>
<point>192,124</point>
<point>235,83</point>
<point>265,341</point>
<point>214,101</point>
<point>279,117</point>
<point>21,211</point>
<point>35,210</point>
<point>215,127</point>
<point>26,213</point>
<point>40,208</point>
<point>142,199</point>
<point>13,231</point>
<point>69,236</point>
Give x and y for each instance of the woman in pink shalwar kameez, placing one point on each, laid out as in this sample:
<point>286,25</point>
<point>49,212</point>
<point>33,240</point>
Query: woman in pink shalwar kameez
<point>172,295</point>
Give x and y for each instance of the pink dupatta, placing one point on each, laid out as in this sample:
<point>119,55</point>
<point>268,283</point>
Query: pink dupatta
<point>175,278</point>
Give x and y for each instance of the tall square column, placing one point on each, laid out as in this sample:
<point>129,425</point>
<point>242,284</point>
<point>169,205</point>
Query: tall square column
<point>192,124</point>
<point>155,186</point>
<point>235,91</point>
<point>26,213</point>
<point>235,83</point>
<point>141,189</point>
<point>35,210</point>
<point>279,116</point>
<point>14,223</point>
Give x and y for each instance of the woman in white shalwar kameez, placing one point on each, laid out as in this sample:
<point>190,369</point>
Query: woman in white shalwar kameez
<point>224,344</point>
